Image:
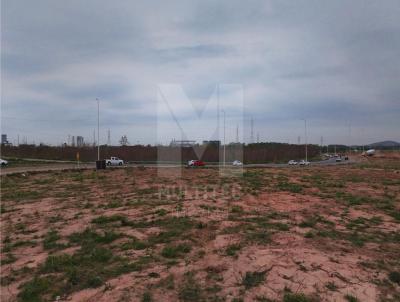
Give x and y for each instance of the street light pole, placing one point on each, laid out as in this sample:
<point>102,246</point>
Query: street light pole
<point>98,129</point>
<point>223,111</point>
<point>305,135</point>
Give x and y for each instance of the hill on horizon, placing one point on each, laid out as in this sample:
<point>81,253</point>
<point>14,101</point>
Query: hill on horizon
<point>385,144</point>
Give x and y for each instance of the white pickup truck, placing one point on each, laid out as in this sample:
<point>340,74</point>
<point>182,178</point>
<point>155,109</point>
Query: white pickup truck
<point>114,161</point>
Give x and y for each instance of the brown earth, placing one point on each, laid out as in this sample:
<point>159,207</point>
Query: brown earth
<point>326,233</point>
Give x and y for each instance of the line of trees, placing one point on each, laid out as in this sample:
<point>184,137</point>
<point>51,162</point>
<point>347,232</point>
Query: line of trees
<point>251,153</point>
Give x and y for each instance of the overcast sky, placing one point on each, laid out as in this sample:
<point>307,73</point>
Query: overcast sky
<point>334,63</point>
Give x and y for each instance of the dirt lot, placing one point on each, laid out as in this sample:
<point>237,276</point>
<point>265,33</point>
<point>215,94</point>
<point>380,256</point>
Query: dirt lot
<point>291,234</point>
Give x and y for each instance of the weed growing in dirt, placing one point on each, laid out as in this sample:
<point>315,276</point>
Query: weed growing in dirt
<point>175,251</point>
<point>290,187</point>
<point>190,290</point>
<point>232,249</point>
<point>50,241</point>
<point>394,277</point>
<point>252,279</point>
<point>351,298</point>
<point>297,297</point>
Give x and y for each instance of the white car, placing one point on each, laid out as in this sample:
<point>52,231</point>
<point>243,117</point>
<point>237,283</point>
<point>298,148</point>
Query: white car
<point>114,161</point>
<point>304,163</point>
<point>338,159</point>
<point>292,162</point>
<point>3,162</point>
<point>237,163</point>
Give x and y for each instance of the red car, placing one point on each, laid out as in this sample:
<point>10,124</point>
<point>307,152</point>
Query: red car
<point>196,163</point>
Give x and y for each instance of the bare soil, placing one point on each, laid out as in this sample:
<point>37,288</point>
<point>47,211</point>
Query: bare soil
<point>313,233</point>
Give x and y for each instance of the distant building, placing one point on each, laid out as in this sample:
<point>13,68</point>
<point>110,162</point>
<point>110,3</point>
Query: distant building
<point>79,141</point>
<point>215,143</point>
<point>182,143</point>
<point>4,140</point>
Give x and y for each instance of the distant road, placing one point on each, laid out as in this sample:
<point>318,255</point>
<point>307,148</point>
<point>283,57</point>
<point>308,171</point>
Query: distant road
<point>65,166</point>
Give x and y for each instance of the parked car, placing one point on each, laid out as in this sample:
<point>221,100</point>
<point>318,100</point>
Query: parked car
<point>338,159</point>
<point>196,163</point>
<point>237,163</point>
<point>3,162</point>
<point>114,161</point>
<point>292,162</point>
<point>304,163</point>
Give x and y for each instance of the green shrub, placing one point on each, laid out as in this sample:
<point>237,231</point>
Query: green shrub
<point>252,279</point>
<point>174,251</point>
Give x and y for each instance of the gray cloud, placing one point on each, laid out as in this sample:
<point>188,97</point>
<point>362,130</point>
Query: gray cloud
<point>332,62</point>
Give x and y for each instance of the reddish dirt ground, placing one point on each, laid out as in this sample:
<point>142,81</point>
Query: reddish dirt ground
<point>317,233</point>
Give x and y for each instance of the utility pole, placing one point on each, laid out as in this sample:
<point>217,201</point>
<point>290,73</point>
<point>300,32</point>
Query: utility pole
<point>251,130</point>
<point>258,137</point>
<point>108,138</point>
<point>305,135</point>
<point>322,144</point>
<point>349,138</point>
<point>98,129</point>
<point>223,111</point>
<point>237,134</point>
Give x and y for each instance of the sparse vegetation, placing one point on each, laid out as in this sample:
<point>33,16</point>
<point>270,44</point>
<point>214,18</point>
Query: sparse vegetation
<point>151,236</point>
<point>252,279</point>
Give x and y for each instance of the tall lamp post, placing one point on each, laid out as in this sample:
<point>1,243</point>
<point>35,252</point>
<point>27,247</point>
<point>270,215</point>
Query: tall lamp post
<point>98,129</point>
<point>305,135</point>
<point>223,111</point>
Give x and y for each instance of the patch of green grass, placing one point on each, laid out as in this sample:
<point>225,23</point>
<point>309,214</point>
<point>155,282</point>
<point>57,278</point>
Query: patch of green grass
<point>190,290</point>
<point>168,282</point>
<point>331,286</point>
<point>252,181</point>
<point>10,258</point>
<point>147,191</point>
<point>253,279</point>
<point>394,277</point>
<point>89,236</point>
<point>24,243</point>
<point>259,236</point>
<point>161,212</point>
<point>44,181</point>
<point>309,235</point>
<point>19,195</point>
<point>353,200</point>
<point>351,298</point>
<point>296,297</point>
<point>357,239</point>
<point>147,297</point>
<point>88,267</point>
<point>134,244</point>
<point>236,209</point>
<point>50,241</point>
<point>308,223</point>
<point>175,251</point>
<point>123,220</point>
<point>114,203</point>
<point>173,228</point>
<point>263,299</point>
<point>232,249</point>
<point>395,215</point>
<point>290,187</point>
<point>34,290</point>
